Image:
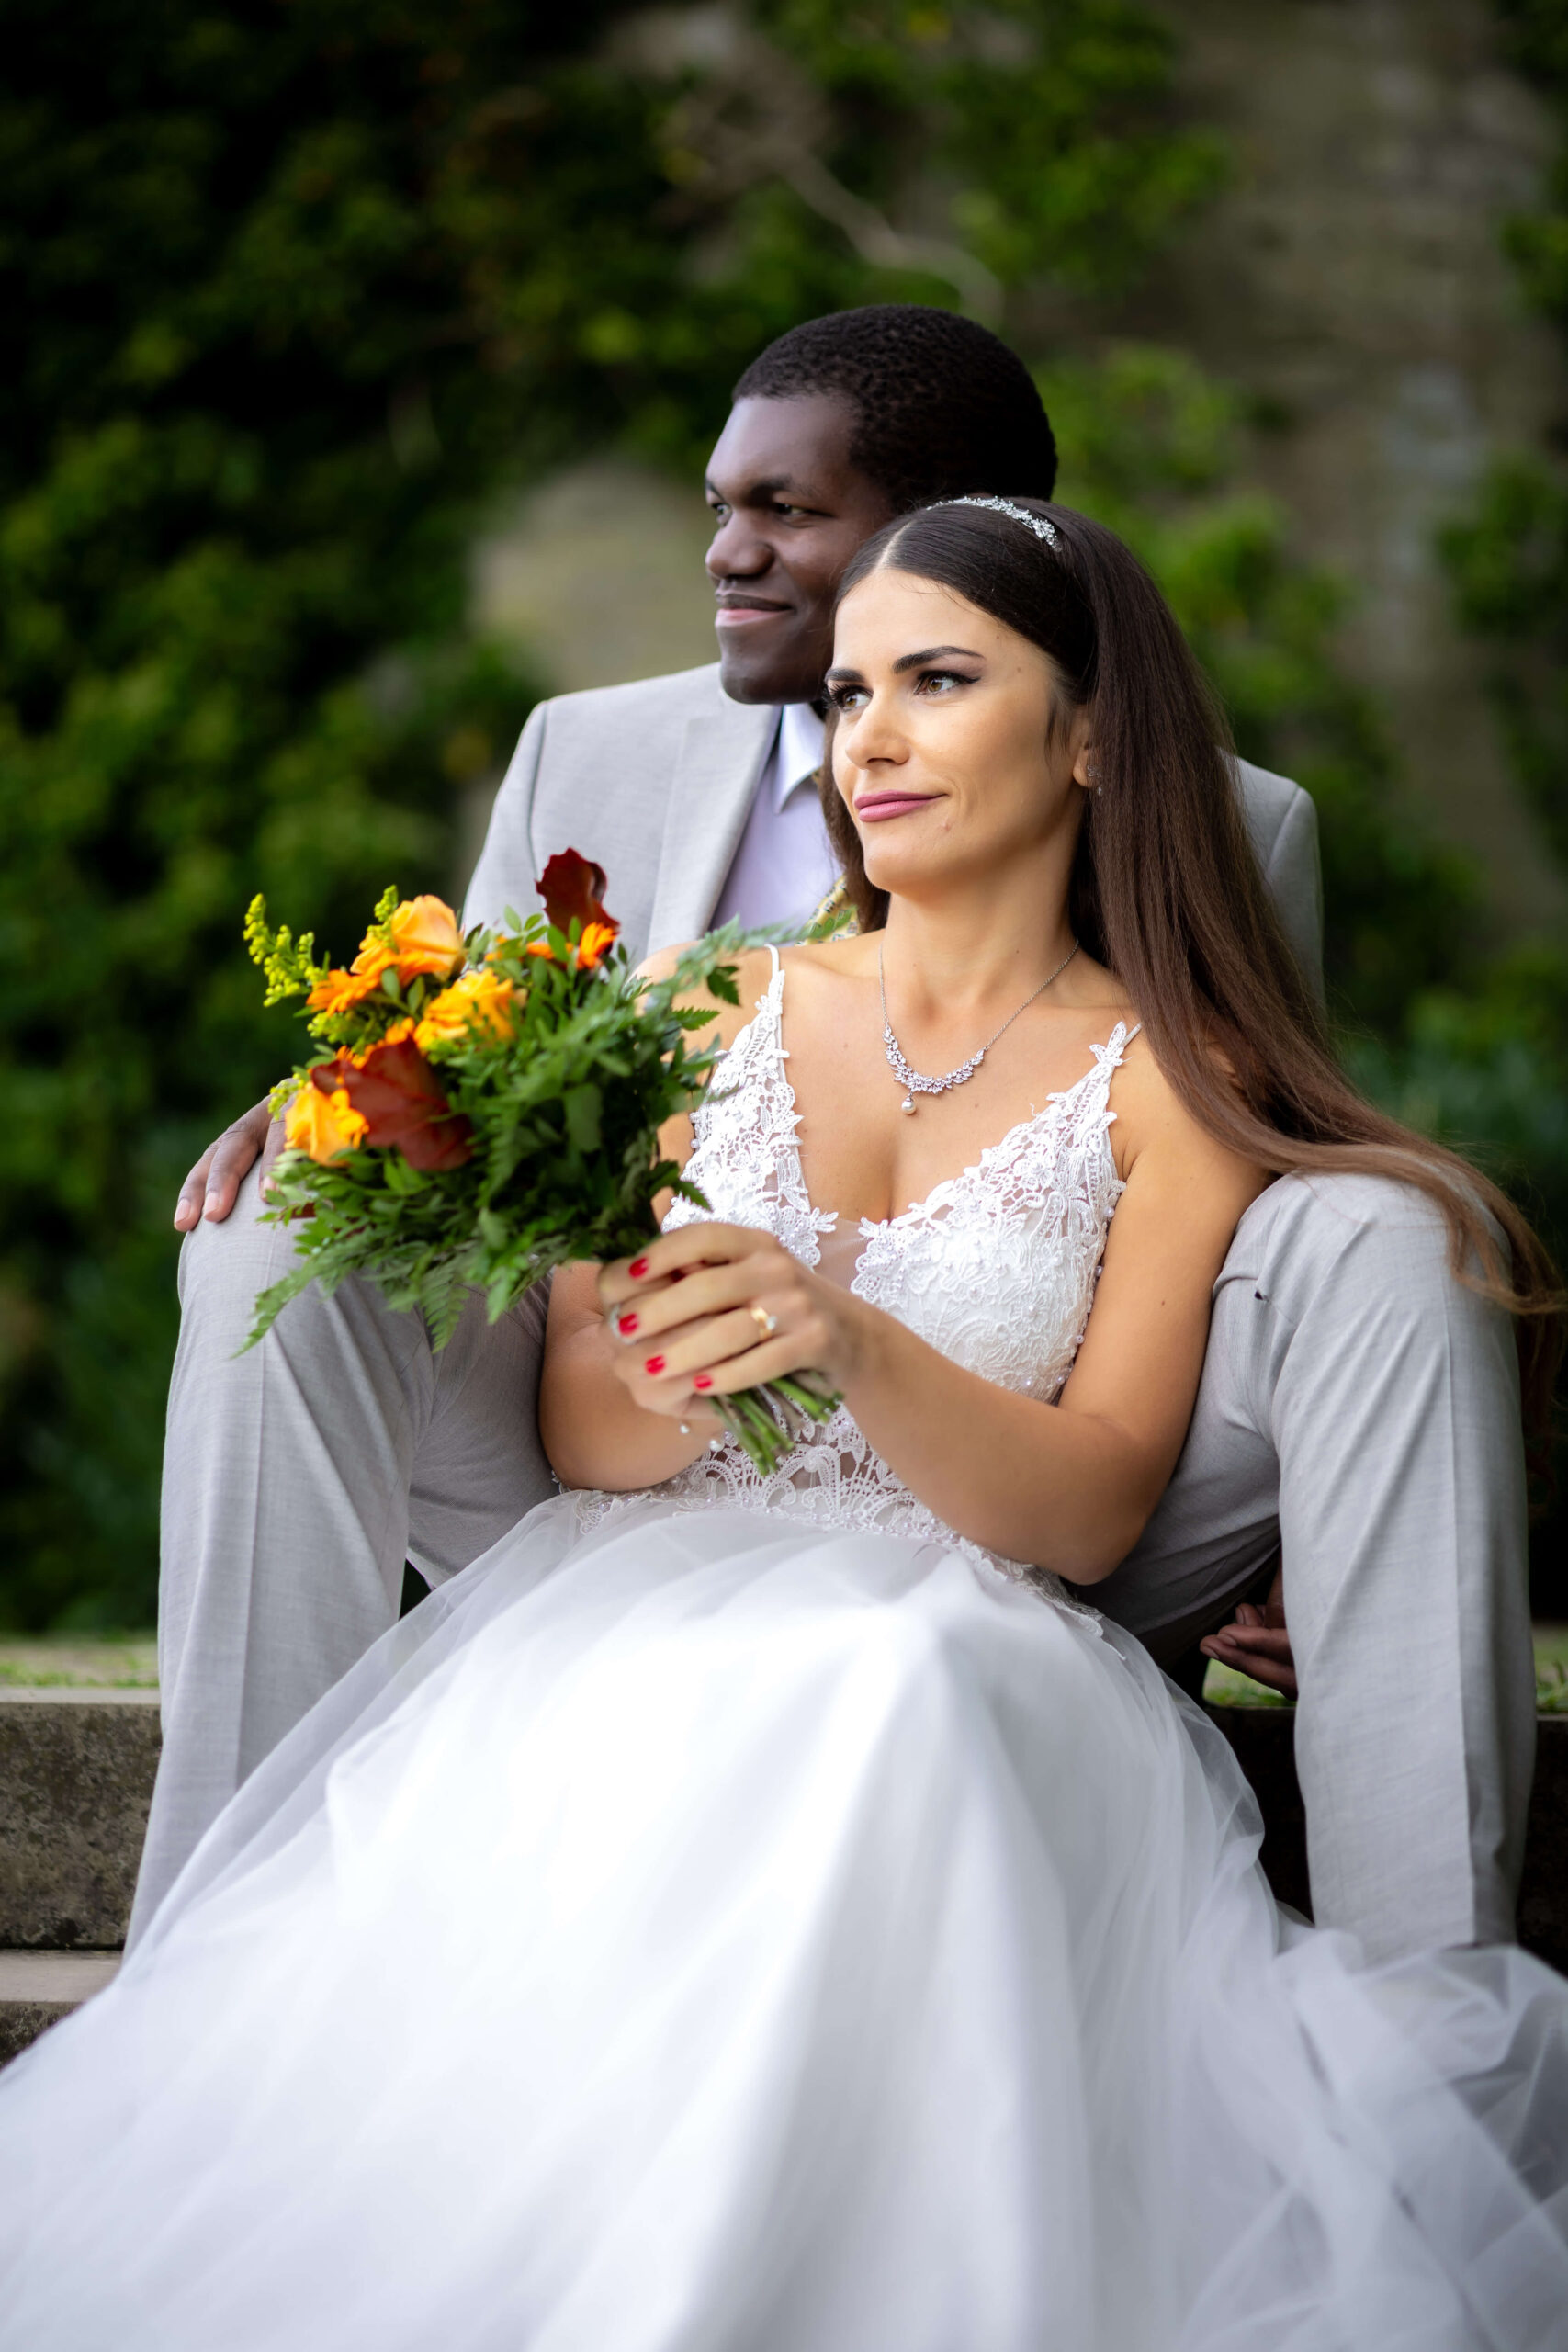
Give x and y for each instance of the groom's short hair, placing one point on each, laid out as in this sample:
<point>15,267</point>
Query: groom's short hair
<point>942,405</point>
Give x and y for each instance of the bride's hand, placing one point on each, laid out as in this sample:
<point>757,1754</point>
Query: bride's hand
<point>711,1309</point>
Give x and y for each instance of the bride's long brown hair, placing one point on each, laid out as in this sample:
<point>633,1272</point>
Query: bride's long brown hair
<point>1167,892</point>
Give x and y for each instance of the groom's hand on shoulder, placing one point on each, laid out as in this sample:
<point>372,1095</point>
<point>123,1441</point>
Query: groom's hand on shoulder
<point>213,1185</point>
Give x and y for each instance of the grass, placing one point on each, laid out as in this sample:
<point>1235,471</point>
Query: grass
<point>1223,1687</point>
<point>130,1662</point>
<point>72,1662</point>
<point>1551,1669</point>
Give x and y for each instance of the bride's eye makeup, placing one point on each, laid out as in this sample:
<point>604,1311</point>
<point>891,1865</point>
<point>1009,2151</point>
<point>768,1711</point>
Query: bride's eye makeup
<point>853,694</point>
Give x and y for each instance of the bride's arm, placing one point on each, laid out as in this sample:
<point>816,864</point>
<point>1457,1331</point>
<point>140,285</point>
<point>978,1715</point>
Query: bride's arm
<point>1067,1486</point>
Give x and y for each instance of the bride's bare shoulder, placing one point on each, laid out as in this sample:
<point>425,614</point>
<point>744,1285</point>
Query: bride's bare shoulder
<point>752,968</point>
<point>1153,1124</point>
<point>827,962</point>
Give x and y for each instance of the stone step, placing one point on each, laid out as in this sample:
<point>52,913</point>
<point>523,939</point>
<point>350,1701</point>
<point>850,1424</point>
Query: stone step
<point>38,1988</point>
<point>77,1771</point>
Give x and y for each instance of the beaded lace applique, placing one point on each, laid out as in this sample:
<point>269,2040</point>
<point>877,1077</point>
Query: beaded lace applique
<point>996,1267</point>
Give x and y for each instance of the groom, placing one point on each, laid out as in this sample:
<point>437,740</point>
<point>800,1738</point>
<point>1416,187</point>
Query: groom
<point>1356,1406</point>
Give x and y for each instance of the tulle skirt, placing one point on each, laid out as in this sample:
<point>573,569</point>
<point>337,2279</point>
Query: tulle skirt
<point>718,1934</point>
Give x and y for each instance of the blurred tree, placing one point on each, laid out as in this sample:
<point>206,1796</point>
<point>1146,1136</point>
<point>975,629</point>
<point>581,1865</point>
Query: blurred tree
<point>287,288</point>
<point>1488,1069</point>
<point>1154,447</point>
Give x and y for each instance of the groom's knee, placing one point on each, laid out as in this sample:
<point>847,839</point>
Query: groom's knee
<point>1366,1252</point>
<point>225,1269</point>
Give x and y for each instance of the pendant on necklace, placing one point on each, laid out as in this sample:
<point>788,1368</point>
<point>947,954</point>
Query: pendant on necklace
<point>912,1080</point>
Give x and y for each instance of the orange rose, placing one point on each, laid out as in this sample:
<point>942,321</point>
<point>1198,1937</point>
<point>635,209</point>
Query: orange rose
<point>425,939</point>
<point>321,1125</point>
<point>374,958</point>
<point>476,1002</point>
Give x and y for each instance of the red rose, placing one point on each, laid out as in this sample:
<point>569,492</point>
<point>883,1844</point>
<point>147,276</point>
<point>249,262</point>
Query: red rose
<point>571,886</point>
<point>398,1097</point>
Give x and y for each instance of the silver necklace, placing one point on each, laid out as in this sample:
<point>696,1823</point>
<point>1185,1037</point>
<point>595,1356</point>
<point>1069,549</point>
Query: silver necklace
<point>912,1080</point>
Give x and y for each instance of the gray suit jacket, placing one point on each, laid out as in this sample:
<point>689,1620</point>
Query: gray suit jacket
<point>655,780</point>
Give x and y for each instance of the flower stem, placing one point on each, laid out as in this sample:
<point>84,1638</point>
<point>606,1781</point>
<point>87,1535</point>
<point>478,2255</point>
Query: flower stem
<point>767,1422</point>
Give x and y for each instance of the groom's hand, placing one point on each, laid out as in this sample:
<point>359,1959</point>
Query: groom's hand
<point>1257,1642</point>
<point>211,1188</point>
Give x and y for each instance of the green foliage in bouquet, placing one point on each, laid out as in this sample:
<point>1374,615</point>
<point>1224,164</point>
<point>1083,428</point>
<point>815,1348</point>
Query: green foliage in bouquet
<point>491,1109</point>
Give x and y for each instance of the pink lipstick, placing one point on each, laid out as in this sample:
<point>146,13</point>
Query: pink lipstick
<point>873,808</point>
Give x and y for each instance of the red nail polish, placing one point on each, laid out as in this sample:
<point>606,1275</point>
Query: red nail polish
<point>654,1364</point>
<point>638,1268</point>
<point>703,1379</point>
<point>626,1325</point>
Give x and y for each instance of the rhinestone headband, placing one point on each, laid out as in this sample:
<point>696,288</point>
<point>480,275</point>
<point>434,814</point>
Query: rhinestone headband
<point>1035,523</point>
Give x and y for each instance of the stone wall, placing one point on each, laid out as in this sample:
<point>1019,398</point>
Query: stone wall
<point>1351,277</point>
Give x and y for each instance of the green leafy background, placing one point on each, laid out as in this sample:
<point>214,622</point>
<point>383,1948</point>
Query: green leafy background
<point>291,291</point>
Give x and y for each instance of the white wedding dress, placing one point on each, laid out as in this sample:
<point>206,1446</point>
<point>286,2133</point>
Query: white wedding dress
<point>744,1918</point>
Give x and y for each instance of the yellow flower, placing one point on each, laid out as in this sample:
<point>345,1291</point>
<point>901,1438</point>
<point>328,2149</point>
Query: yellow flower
<point>321,1125</point>
<point>425,939</point>
<point>341,992</point>
<point>596,943</point>
<point>476,1002</point>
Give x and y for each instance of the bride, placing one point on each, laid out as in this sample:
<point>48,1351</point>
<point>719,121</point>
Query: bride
<point>782,1917</point>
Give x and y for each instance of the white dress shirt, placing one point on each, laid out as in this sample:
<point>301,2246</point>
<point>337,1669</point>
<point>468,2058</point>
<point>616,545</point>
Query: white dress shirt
<point>784,868</point>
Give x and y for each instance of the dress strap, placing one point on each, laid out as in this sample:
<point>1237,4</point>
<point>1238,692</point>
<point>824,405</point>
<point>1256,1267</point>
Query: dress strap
<point>760,1044</point>
<point>1091,1100</point>
<point>1109,1056</point>
<point>770,1004</point>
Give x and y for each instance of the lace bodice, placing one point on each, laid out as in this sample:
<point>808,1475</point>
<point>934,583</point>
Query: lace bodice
<point>996,1267</point>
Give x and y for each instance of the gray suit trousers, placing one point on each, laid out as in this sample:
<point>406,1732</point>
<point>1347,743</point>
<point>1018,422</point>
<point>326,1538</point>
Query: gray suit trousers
<point>298,1479</point>
<point>1358,1415</point>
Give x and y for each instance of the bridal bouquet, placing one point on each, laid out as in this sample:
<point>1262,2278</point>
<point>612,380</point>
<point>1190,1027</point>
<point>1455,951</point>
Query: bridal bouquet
<point>487,1107</point>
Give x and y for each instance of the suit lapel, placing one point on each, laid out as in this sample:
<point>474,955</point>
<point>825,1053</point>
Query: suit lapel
<point>721,757</point>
